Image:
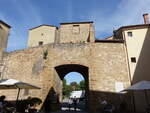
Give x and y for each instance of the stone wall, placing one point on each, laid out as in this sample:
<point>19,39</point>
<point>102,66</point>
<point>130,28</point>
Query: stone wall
<point>76,33</point>
<point>108,66</point>
<point>28,66</point>
<point>106,63</point>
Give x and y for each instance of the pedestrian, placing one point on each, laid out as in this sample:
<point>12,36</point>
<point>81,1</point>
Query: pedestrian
<point>2,104</point>
<point>75,103</point>
<point>103,103</point>
<point>69,103</point>
<point>123,106</point>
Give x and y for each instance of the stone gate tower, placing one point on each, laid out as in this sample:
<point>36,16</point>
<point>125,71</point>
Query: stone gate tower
<point>75,32</point>
<point>4,33</point>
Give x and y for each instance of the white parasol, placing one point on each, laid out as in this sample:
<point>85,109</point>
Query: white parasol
<point>15,84</point>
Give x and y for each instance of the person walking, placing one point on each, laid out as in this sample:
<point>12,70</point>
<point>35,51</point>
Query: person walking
<point>2,104</point>
<point>69,103</point>
<point>75,103</point>
<point>103,103</point>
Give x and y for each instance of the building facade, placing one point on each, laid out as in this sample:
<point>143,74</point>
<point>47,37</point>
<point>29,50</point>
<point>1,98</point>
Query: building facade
<point>43,34</point>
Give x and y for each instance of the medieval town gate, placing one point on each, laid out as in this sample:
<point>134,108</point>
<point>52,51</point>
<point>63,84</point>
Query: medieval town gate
<point>102,64</point>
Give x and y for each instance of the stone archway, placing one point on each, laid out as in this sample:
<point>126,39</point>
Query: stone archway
<point>62,70</point>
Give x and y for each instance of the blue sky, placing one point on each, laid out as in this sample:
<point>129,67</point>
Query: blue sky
<point>73,76</point>
<point>107,15</point>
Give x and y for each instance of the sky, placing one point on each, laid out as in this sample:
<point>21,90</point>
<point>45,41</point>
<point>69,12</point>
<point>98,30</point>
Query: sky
<point>73,77</point>
<point>107,15</point>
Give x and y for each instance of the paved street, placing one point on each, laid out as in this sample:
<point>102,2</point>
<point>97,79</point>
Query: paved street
<point>66,109</point>
<point>70,112</point>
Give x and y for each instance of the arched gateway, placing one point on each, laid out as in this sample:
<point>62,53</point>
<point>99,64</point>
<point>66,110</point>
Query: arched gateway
<point>102,63</point>
<point>62,70</point>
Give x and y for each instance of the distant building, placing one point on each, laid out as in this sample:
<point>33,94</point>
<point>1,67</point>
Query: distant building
<point>77,94</point>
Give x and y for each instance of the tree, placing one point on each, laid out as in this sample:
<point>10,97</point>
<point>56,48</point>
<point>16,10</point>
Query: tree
<point>66,89</point>
<point>74,86</point>
<point>64,83</point>
<point>82,85</point>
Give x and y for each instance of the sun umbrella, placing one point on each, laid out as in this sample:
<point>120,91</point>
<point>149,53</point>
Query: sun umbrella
<point>15,84</point>
<point>140,86</point>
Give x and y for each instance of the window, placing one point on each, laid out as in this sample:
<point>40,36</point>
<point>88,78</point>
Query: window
<point>76,29</point>
<point>133,59</point>
<point>76,25</point>
<point>40,43</point>
<point>130,34</point>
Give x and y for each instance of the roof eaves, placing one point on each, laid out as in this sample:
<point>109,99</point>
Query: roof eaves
<point>76,22</point>
<point>110,41</point>
<point>5,24</point>
<point>43,25</point>
<point>134,27</point>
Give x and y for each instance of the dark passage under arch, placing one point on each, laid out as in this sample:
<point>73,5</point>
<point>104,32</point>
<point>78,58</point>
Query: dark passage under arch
<point>62,70</point>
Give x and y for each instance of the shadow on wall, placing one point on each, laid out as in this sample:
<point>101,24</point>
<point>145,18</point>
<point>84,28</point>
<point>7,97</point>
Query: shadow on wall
<point>92,98</point>
<point>142,72</point>
<point>121,101</point>
<point>51,102</point>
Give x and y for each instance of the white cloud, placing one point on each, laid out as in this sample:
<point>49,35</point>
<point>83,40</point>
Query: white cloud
<point>27,17</point>
<point>28,12</point>
<point>127,12</point>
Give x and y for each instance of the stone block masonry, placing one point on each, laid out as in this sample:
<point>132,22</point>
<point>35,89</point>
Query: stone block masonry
<point>106,64</point>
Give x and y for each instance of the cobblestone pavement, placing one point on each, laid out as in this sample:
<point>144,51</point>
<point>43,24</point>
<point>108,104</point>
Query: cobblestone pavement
<point>70,112</point>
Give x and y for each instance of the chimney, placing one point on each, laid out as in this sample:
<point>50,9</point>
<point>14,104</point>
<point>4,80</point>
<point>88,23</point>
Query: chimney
<point>146,19</point>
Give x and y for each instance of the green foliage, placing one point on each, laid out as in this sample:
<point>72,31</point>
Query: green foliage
<point>82,85</point>
<point>74,86</point>
<point>66,89</point>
